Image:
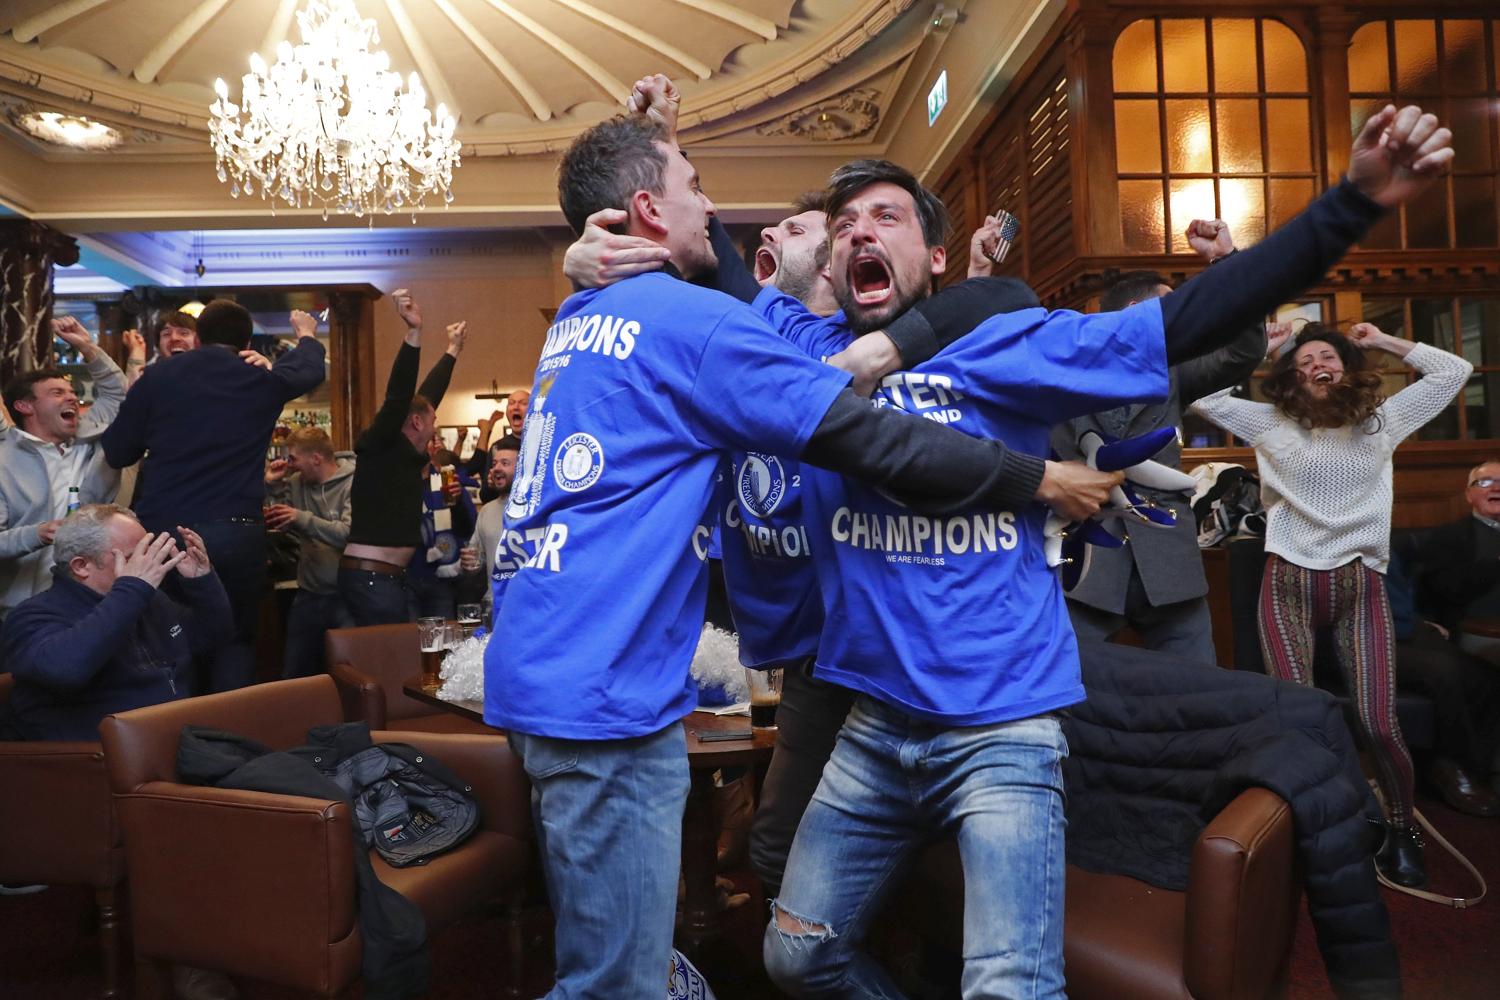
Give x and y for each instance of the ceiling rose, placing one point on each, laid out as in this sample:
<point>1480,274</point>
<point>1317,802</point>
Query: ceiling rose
<point>75,131</point>
<point>329,123</point>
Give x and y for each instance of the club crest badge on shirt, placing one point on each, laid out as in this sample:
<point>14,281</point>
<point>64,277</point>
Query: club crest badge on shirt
<point>761,484</point>
<point>579,462</point>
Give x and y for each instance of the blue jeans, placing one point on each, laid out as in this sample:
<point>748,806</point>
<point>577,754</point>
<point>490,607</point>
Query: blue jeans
<point>307,624</point>
<point>892,784</point>
<point>373,598</point>
<point>609,825</point>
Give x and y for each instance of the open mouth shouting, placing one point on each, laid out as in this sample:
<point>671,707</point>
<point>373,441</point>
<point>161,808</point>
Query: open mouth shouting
<point>69,413</point>
<point>766,265</point>
<point>870,280</point>
<point>1323,378</point>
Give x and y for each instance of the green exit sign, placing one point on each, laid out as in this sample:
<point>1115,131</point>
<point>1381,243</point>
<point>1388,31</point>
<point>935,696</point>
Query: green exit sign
<point>937,98</point>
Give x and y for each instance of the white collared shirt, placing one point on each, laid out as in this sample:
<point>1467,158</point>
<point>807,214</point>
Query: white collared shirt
<point>64,469</point>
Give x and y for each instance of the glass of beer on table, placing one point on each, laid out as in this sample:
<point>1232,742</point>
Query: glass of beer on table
<point>765,697</point>
<point>432,634</point>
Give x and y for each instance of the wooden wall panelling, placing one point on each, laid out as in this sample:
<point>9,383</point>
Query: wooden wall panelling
<point>956,190</point>
<point>351,373</point>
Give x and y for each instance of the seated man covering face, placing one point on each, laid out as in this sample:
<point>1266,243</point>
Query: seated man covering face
<point>104,638</point>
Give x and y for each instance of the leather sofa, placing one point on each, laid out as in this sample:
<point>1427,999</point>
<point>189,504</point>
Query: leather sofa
<point>1228,937</point>
<point>69,835</point>
<point>370,664</point>
<point>260,885</point>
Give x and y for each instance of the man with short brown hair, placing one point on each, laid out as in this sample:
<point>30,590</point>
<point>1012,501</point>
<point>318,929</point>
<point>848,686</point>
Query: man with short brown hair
<point>310,490</point>
<point>53,446</point>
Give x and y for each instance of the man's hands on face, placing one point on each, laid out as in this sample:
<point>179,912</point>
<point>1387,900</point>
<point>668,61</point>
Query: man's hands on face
<point>195,556</point>
<point>47,531</point>
<point>457,334</point>
<point>279,516</point>
<point>406,308</point>
<point>153,557</point>
<point>600,257</point>
<point>276,470</point>
<point>1074,491</point>
<point>657,98</point>
<point>1398,153</point>
<point>1210,238</point>
<point>869,359</point>
<point>75,336</point>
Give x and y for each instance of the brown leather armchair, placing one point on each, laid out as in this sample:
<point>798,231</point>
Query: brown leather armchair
<point>260,885</point>
<point>75,839</point>
<point>1228,937</point>
<point>370,664</point>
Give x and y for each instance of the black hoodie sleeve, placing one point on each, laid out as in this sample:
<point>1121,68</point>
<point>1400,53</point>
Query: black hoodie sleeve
<point>931,468</point>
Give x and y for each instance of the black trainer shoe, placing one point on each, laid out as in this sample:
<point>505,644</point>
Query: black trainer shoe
<point>1400,858</point>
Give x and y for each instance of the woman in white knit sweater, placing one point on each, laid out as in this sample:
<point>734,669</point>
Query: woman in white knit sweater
<point>1323,447</point>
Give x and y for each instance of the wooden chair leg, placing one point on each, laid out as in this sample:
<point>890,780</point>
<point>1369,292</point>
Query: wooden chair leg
<point>107,902</point>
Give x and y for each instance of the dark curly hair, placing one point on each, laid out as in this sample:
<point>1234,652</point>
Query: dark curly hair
<point>1354,400</point>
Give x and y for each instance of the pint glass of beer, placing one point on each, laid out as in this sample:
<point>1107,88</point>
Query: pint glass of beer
<point>432,633</point>
<point>765,697</point>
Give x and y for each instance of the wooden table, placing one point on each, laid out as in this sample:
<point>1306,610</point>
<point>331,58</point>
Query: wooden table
<point>700,833</point>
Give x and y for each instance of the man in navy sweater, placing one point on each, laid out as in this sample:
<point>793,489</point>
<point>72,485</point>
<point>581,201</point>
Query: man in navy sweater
<point>104,638</point>
<point>203,420</point>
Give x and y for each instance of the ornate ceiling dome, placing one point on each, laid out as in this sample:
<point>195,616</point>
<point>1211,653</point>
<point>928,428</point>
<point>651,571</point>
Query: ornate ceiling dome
<point>521,75</point>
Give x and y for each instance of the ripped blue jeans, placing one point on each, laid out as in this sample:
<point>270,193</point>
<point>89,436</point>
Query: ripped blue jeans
<point>892,784</point>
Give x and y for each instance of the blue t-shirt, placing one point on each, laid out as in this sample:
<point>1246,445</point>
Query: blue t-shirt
<point>600,575</point>
<point>959,620</point>
<point>768,572</point>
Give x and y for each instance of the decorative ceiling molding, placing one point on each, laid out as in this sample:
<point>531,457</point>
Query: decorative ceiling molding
<point>851,115</point>
<point>717,93</point>
<point>12,108</point>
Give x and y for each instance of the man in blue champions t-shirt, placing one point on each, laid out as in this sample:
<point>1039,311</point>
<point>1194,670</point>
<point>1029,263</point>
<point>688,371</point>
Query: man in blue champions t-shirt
<point>600,573</point>
<point>953,628</point>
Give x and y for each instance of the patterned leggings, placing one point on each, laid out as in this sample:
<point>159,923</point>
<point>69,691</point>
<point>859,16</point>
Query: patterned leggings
<point>1294,602</point>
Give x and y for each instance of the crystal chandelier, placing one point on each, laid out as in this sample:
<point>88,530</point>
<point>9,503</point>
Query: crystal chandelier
<point>330,123</point>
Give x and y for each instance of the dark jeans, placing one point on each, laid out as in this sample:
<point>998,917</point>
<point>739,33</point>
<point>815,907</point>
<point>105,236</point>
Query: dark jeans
<point>309,619</point>
<point>237,549</point>
<point>431,597</point>
<point>1465,693</point>
<point>808,722</point>
<point>373,598</point>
